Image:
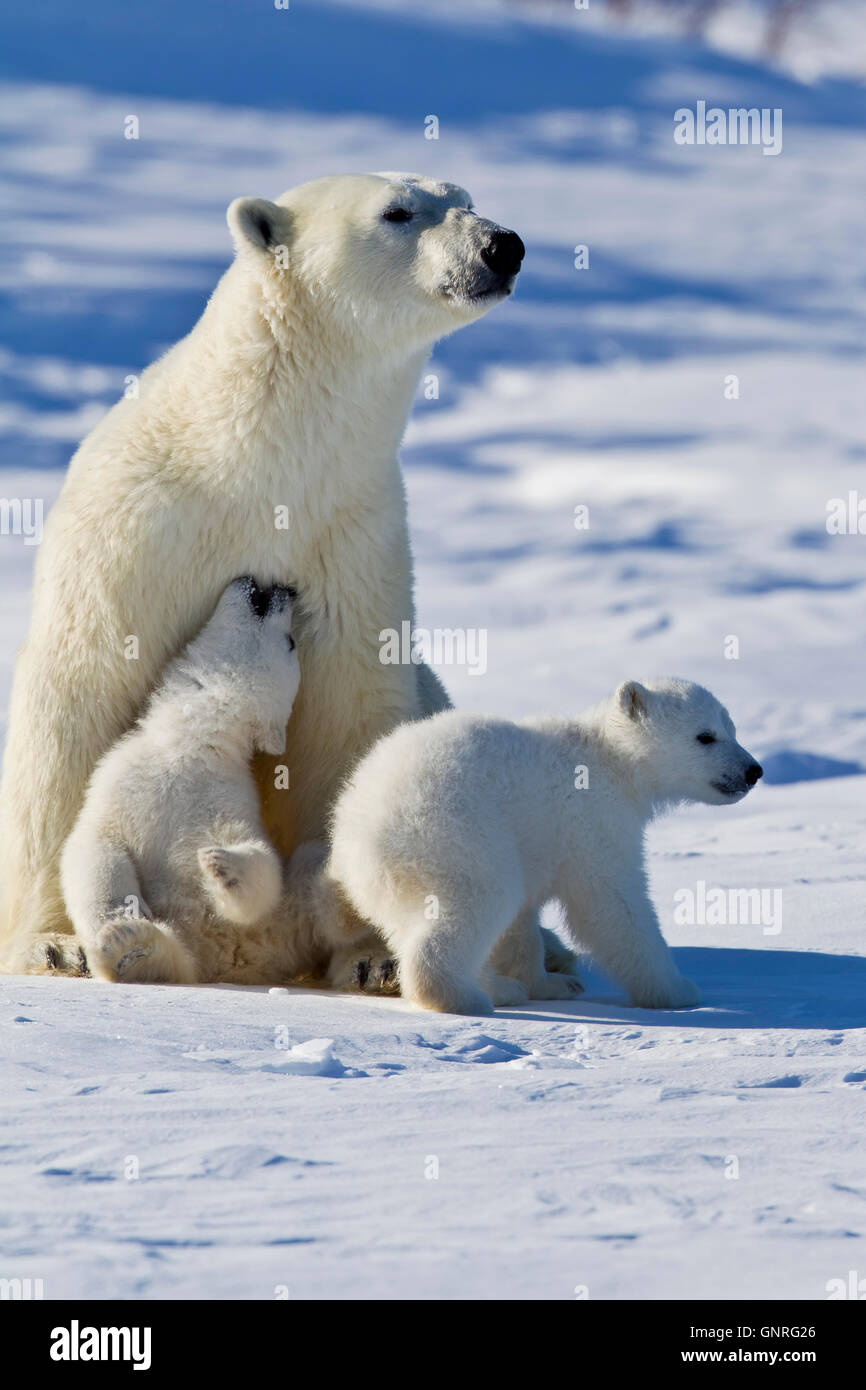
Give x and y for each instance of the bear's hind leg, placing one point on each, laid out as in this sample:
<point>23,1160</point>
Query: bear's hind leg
<point>114,924</point>
<point>443,963</point>
<point>137,950</point>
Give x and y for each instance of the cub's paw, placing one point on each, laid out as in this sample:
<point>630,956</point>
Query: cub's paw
<point>505,991</point>
<point>686,995</point>
<point>142,952</point>
<point>558,957</point>
<point>120,949</point>
<point>243,882</point>
<point>454,999</point>
<point>673,994</point>
<point>552,985</point>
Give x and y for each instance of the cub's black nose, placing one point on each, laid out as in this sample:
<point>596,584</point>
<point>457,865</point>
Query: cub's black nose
<point>281,596</point>
<point>503,253</point>
<point>259,598</point>
<point>266,598</point>
<point>753,773</point>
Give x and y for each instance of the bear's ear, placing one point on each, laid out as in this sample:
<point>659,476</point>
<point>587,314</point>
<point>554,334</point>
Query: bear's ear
<point>256,223</point>
<point>632,698</point>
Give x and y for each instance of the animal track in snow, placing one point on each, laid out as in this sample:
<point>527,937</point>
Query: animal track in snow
<point>777,1083</point>
<point>481,1048</point>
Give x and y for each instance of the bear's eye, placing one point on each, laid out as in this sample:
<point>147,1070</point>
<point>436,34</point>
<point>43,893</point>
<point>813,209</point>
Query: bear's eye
<point>706,738</point>
<point>291,643</point>
<point>397,215</point>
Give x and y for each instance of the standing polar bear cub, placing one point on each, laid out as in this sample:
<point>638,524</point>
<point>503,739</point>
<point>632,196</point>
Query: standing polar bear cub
<point>168,875</point>
<point>450,828</point>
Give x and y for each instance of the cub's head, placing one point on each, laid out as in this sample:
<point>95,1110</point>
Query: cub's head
<point>397,259</point>
<point>239,677</point>
<point>683,740</point>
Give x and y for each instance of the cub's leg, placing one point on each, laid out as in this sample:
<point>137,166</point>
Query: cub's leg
<point>523,953</point>
<point>617,922</point>
<point>318,932</point>
<point>504,990</point>
<point>369,966</point>
<point>113,923</point>
<point>558,959</point>
<point>356,956</point>
<point>242,881</point>
<point>441,969</point>
<point>443,962</point>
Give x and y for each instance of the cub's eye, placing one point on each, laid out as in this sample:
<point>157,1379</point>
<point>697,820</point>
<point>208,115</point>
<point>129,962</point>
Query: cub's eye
<point>291,643</point>
<point>706,738</point>
<point>397,215</point>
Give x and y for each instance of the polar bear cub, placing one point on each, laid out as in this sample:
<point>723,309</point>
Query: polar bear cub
<point>451,827</point>
<point>169,847</point>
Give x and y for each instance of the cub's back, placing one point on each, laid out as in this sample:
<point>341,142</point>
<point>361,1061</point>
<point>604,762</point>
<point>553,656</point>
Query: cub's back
<point>161,801</point>
<point>427,779</point>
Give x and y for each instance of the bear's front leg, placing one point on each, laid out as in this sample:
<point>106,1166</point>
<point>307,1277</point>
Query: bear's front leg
<point>616,920</point>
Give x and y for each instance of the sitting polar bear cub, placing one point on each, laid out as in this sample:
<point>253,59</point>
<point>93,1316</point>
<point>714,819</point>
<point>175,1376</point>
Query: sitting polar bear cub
<point>168,874</point>
<point>450,828</point>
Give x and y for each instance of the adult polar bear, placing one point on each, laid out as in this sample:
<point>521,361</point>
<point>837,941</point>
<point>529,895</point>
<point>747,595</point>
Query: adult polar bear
<point>286,403</point>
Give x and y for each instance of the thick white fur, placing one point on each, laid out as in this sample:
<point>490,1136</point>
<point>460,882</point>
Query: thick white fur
<point>452,827</point>
<point>291,392</point>
<point>169,875</point>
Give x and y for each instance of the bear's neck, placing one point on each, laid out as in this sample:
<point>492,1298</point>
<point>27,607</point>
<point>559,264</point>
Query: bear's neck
<point>589,739</point>
<point>276,392</point>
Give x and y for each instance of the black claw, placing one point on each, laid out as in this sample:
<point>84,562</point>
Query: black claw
<point>53,956</point>
<point>363,972</point>
<point>387,970</point>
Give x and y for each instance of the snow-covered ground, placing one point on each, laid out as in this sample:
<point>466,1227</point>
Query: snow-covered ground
<point>585,1145</point>
<point>229,1142</point>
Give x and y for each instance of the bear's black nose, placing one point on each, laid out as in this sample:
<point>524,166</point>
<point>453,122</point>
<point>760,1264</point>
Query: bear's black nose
<point>753,772</point>
<point>503,253</point>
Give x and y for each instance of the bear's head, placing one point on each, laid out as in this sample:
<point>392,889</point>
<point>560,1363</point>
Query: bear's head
<point>239,677</point>
<point>397,260</point>
<point>683,740</point>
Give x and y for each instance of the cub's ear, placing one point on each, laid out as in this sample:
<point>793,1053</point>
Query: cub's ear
<point>271,738</point>
<point>633,699</point>
<point>256,223</point>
